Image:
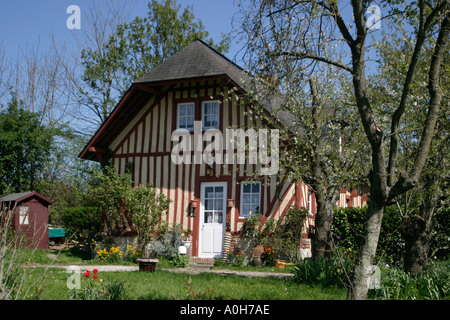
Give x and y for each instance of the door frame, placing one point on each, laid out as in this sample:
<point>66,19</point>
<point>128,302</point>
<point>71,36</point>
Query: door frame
<point>203,185</point>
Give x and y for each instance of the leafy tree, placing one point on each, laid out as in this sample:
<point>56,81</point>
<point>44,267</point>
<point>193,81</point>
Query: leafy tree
<point>134,49</point>
<point>146,207</point>
<point>318,33</point>
<point>417,207</point>
<point>348,232</point>
<point>25,146</point>
<point>325,148</point>
<point>127,208</point>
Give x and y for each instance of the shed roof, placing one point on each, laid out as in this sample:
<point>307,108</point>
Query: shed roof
<point>23,196</point>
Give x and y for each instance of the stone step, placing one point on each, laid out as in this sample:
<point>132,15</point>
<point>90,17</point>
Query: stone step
<point>206,263</point>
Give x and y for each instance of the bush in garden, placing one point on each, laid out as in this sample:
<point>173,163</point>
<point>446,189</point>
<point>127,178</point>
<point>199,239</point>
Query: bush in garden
<point>79,222</point>
<point>167,245</point>
<point>133,253</point>
<point>235,257</point>
<point>324,272</point>
<point>268,256</point>
<point>433,283</point>
<point>180,261</point>
<point>112,254</point>
<point>123,205</point>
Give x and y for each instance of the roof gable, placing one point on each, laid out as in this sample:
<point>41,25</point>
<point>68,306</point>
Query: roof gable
<point>196,60</point>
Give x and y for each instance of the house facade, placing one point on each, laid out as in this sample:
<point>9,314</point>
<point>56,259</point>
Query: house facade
<point>177,128</point>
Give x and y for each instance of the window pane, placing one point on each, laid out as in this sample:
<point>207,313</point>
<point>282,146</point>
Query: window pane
<point>189,123</point>
<point>245,211</point>
<point>255,187</point>
<point>185,116</point>
<point>208,217</point>
<point>209,204</point>
<point>255,199</point>
<point>247,188</point>
<point>23,214</point>
<point>218,204</point>
<point>218,217</point>
<point>219,192</point>
<point>246,198</point>
<point>206,123</point>
<point>209,192</point>
<point>210,115</point>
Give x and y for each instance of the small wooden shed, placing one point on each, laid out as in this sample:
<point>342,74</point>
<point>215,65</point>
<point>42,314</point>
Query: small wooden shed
<point>31,216</point>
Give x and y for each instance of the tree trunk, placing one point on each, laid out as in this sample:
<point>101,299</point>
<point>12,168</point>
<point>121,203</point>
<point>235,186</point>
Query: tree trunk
<point>418,228</point>
<point>374,218</point>
<point>362,273</point>
<point>322,242</point>
<point>417,244</point>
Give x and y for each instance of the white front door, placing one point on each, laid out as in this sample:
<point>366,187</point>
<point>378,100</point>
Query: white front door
<point>212,218</point>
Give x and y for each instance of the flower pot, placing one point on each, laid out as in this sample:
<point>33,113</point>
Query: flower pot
<point>147,264</point>
<point>257,262</point>
<point>258,251</point>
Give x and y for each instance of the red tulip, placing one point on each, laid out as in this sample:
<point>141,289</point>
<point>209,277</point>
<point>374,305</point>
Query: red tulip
<point>87,274</point>
<point>95,271</point>
<point>95,276</point>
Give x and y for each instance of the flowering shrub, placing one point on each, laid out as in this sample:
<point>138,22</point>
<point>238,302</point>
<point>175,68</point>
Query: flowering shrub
<point>111,255</point>
<point>268,256</point>
<point>133,253</point>
<point>235,257</point>
<point>93,289</point>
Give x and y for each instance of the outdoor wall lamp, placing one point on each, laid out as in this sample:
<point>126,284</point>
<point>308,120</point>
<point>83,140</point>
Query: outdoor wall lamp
<point>193,206</point>
<point>230,203</point>
<point>208,170</point>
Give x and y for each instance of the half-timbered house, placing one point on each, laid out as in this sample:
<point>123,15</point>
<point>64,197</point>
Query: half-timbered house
<point>192,94</point>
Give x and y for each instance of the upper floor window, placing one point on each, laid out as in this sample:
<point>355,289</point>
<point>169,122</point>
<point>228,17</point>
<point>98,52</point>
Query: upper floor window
<point>185,116</point>
<point>210,115</point>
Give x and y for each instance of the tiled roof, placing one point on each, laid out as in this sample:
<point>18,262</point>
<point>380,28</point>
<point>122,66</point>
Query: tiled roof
<point>196,60</point>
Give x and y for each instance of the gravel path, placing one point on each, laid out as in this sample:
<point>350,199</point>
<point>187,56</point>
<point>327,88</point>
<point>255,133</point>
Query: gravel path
<point>109,268</point>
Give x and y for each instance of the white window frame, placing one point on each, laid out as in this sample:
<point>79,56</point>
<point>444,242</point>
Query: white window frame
<point>185,115</point>
<point>217,115</point>
<point>23,215</point>
<point>241,210</point>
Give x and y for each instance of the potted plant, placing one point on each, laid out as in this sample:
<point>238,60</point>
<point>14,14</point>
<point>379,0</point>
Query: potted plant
<point>184,248</point>
<point>259,229</point>
<point>258,252</point>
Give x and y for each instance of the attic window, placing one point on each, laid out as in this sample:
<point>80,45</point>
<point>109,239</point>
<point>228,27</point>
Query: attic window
<point>210,115</point>
<point>185,116</point>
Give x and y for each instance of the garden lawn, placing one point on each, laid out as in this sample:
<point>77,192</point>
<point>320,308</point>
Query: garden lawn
<point>166,285</point>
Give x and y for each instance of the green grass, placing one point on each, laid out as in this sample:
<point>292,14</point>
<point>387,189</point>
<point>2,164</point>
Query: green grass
<point>287,269</point>
<point>165,285</point>
<point>64,256</point>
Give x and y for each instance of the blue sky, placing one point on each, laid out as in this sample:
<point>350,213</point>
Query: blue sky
<point>29,23</point>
